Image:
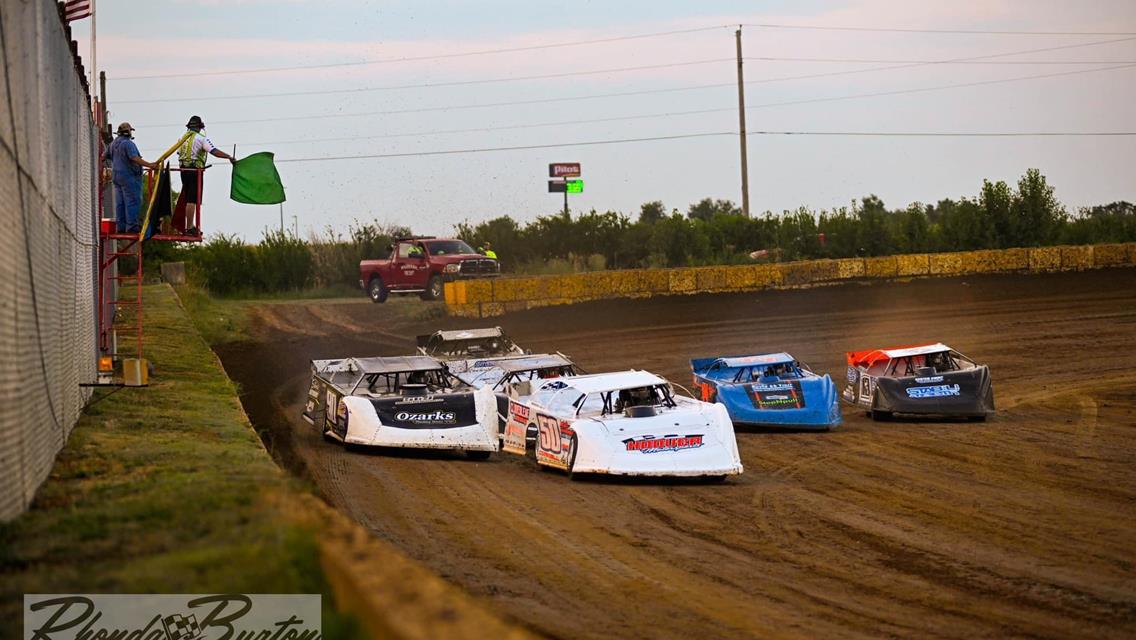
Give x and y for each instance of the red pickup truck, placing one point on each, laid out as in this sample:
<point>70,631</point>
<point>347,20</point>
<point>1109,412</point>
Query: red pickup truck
<point>421,265</point>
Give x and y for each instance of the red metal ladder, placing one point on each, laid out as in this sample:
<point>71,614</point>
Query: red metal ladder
<point>125,311</point>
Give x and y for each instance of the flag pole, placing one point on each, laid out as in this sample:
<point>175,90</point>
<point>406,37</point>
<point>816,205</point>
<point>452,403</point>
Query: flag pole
<point>94,60</point>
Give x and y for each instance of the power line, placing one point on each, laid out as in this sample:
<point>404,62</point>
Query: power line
<point>645,91</point>
<point>375,156</point>
<point>950,134</point>
<point>940,87</point>
<point>431,85</point>
<point>905,64</point>
<point>442,56</point>
<point>516,148</point>
<point>882,134</point>
<point>895,61</point>
<point>944,31</point>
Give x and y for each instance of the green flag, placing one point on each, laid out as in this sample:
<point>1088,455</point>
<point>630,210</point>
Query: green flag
<point>255,180</point>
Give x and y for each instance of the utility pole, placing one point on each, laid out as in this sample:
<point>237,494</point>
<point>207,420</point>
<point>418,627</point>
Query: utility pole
<point>742,125</point>
<point>281,217</point>
<point>295,226</point>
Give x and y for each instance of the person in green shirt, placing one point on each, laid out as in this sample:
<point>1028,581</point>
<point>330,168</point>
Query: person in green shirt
<point>487,251</point>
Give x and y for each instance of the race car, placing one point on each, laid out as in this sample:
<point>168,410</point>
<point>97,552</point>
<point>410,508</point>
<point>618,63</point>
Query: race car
<point>622,423</point>
<point>771,389</point>
<point>408,402</point>
<point>930,379</point>
<point>468,343</point>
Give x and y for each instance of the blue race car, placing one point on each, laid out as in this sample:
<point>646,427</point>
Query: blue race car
<point>768,390</point>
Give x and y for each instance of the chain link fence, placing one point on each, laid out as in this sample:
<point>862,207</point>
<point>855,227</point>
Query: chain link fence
<point>48,218</point>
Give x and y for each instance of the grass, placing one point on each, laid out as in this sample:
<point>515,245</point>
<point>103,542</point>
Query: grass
<point>163,489</point>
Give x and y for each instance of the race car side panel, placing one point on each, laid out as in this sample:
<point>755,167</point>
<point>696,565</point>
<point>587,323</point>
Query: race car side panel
<point>520,416</point>
<point>466,421</point>
<point>809,402</point>
<point>954,393</point>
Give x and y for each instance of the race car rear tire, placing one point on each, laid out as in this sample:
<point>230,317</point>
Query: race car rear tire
<point>977,418</point>
<point>881,416</point>
<point>572,459</point>
<point>477,455</point>
<point>377,290</point>
<point>434,289</point>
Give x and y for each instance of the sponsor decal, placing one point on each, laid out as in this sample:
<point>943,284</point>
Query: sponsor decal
<point>417,400</point>
<point>430,417</point>
<point>777,395</point>
<point>520,412</point>
<point>652,444</point>
<point>851,375</point>
<point>171,617</point>
<point>939,391</point>
<point>929,380</point>
<point>482,364</point>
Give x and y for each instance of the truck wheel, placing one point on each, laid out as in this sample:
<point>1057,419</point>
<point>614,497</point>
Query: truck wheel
<point>377,290</point>
<point>434,289</point>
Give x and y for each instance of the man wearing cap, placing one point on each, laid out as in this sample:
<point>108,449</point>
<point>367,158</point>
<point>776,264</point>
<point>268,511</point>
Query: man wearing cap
<point>127,165</point>
<point>191,158</point>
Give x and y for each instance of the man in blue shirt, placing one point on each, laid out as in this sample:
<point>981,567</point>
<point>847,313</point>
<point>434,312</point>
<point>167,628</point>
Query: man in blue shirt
<point>127,165</point>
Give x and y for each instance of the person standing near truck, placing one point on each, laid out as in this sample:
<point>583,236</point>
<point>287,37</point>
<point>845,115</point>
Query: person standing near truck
<point>191,158</point>
<point>126,173</point>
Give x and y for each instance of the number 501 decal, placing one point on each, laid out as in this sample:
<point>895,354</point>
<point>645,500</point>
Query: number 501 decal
<point>549,430</point>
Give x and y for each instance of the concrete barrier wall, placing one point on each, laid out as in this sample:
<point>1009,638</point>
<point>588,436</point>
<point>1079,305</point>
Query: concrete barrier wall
<point>488,298</point>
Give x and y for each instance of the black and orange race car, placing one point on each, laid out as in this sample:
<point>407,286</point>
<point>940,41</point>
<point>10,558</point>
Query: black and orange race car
<point>930,379</point>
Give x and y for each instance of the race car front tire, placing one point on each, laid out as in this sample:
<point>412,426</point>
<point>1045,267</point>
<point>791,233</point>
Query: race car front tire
<point>477,455</point>
<point>572,459</point>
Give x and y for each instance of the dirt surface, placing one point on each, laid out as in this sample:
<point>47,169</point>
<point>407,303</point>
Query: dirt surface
<point>1023,526</point>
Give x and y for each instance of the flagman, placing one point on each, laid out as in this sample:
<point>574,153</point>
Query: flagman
<point>191,158</point>
<point>126,166</point>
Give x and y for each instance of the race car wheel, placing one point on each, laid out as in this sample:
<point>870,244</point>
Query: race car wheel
<point>531,435</point>
<point>434,289</point>
<point>477,455</point>
<point>572,459</point>
<point>377,290</point>
<point>881,415</point>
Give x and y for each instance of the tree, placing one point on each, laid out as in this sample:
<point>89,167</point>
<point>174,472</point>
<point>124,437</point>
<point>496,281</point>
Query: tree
<point>652,212</point>
<point>995,202</point>
<point>707,208</point>
<point>1036,214</point>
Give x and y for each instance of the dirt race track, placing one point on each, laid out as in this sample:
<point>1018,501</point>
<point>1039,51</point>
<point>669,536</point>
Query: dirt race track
<point>1023,526</point>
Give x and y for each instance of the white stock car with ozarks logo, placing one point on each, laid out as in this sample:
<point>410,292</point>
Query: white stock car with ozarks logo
<point>623,423</point>
<point>410,402</point>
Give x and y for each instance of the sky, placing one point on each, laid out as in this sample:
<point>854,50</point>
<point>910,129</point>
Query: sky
<point>383,104</point>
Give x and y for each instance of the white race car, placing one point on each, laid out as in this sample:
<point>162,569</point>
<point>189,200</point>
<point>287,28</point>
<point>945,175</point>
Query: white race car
<point>400,402</point>
<point>624,423</point>
<point>468,344</point>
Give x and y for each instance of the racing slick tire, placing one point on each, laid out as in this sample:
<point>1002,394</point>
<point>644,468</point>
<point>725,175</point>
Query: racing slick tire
<point>477,455</point>
<point>976,418</point>
<point>434,289</point>
<point>881,416</point>
<point>572,475</point>
<point>377,290</point>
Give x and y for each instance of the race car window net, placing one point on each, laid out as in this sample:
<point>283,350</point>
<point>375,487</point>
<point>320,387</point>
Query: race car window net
<point>642,396</point>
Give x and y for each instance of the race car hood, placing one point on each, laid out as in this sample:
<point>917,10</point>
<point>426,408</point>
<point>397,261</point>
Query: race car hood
<point>954,393</point>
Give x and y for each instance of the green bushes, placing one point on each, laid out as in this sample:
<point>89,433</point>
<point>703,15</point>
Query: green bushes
<point>226,265</point>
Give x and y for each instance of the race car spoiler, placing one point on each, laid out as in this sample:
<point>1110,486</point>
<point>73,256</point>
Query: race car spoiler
<point>699,365</point>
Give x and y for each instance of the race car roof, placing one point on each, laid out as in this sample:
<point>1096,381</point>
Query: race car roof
<point>600,382</point>
<point>513,364</point>
<point>867,358</point>
<point>749,361</point>
<point>469,334</point>
<point>396,364</point>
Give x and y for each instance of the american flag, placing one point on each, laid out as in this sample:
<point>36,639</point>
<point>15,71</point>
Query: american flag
<point>77,9</point>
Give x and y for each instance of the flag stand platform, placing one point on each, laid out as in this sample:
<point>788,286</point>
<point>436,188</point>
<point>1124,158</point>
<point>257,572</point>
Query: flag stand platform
<point>121,275</point>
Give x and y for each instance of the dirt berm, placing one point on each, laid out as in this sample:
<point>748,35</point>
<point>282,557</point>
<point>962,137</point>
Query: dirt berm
<point>1022,526</point>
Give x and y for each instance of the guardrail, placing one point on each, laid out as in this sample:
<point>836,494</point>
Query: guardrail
<point>488,298</point>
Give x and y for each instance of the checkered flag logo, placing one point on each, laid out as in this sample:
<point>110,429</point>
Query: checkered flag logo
<point>179,627</point>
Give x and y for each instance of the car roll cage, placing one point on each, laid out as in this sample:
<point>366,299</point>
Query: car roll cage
<point>660,392</point>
